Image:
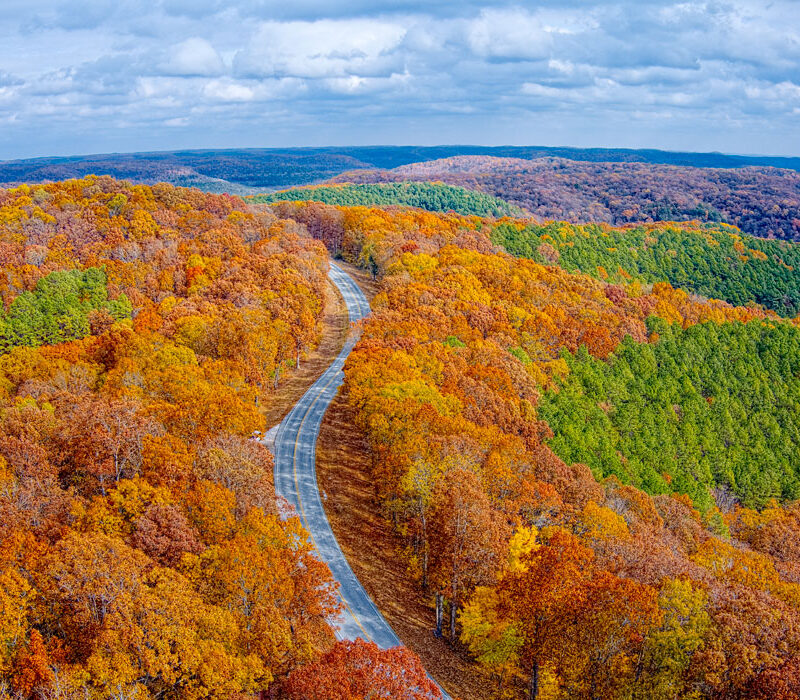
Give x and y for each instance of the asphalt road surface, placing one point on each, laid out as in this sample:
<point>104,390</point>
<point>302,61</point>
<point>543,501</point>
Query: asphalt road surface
<point>296,480</point>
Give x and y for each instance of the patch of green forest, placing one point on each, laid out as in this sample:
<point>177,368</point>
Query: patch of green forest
<point>423,195</point>
<point>711,260</point>
<point>704,407</point>
<point>59,309</point>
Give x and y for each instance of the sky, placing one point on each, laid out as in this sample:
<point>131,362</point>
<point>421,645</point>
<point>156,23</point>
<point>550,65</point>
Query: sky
<point>96,76</point>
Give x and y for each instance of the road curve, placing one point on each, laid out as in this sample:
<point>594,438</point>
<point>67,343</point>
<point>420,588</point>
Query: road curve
<point>296,481</point>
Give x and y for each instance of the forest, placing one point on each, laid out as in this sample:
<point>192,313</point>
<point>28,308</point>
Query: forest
<point>61,307</point>
<point>593,479</point>
<point>236,170</point>
<point>763,202</point>
<point>714,260</point>
<point>612,577</point>
<point>701,410</point>
<point>142,551</point>
<point>423,195</point>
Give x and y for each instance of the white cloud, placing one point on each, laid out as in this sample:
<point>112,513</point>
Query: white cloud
<point>195,56</point>
<point>517,34</point>
<point>565,71</point>
<point>355,84</point>
<point>228,91</point>
<point>321,49</point>
<point>785,93</point>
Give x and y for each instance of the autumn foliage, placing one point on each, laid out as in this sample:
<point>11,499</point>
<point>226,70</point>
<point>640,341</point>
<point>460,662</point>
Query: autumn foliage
<point>359,670</point>
<point>142,554</point>
<point>760,201</point>
<point>559,585</point>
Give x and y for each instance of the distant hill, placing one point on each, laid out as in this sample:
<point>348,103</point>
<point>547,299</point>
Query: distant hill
<point>423,195</point>
<point>238,172</point>
<point>273,168</point>
<point>762,201</point>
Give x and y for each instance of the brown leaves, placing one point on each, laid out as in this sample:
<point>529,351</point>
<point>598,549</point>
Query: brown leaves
<point>467,536</point>
<point>164,534</point>
<point>242,466</point>
<point>359,670</point>
<point>753,634</point>
<point>276,588</point>
<point>129,452</point>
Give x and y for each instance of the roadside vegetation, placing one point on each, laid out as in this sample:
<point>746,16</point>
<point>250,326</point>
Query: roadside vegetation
<point>147,331</point>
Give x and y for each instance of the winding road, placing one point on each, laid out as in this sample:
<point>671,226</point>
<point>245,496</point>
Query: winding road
<point>296,480</point>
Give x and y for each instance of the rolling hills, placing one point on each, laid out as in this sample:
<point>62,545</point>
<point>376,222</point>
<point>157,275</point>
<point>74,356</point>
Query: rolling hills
<point>760,195</point>
<point>714,260</point>
<point>577,458</point>
<point>266,168</point>
<point>764,202</point>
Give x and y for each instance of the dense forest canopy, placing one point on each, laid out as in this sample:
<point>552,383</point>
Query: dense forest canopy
<point>763,202</point>
<point>61,307</point>
<point>593,476</point>
<point>142,551</point>
<point>714,260</point>
<point>425,195</point>
<point>707,408</point>
<point>561,582</point>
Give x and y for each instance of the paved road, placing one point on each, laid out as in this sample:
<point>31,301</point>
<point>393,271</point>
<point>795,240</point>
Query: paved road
<point>295,450</point>
<point>296,480</point>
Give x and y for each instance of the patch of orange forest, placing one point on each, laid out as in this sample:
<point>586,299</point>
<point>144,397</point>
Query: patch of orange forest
<point>334,332</point>
<point>371,549</point>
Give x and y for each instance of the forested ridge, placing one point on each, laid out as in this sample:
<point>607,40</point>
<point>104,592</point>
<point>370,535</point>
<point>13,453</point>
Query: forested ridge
<point>617,579</point>
<point>763,202</point>
<point>425,195</point>
<point>714,260</point>
<point>232,170</point>
<point>142,551</point>
<point>710,407</point>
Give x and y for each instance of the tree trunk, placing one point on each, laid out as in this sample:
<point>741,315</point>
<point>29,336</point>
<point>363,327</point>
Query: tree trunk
<point>424,547</point>
<point>453,611</point>
<point>297,363</point>
<point>438,632</point>
<point>534,687</point>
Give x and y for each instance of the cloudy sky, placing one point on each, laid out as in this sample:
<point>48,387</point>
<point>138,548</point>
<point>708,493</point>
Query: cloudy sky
<point>91,76</point>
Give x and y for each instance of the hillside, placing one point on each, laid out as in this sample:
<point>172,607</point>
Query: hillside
<point>763,202</point>
<point>480,381</point>
<point>689,412</point>
<point>424,195</point>
<point>574,458</point>
<point>143,553</point>
<point>236,170</point>
<point>709,259</point>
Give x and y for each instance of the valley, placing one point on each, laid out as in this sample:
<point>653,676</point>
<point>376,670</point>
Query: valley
<point>553,443</point>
